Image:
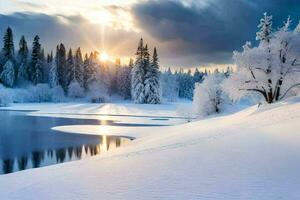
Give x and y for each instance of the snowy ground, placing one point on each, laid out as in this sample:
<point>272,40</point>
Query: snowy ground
<point>253,154</point>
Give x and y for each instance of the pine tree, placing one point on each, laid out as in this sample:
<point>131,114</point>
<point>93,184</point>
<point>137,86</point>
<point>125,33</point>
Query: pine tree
<point>22,60</point>
<point>137,77</point>
<point>61,66</point>
<point>124,81</point>
<point>36,64</point>
<point>78,70</point>
<point>198,76</point>
<point>91,73</point>
<point>53,74</point>
<point>8,49</point>
<point>69,73</point>
<point>86,64</point>
<point>152,82</point>
<point>8,45</point>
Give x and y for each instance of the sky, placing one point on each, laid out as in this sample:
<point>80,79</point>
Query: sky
<point>187,33</point>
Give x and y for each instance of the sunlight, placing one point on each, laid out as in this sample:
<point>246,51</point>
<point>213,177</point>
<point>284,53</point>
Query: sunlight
<point>104,57</point>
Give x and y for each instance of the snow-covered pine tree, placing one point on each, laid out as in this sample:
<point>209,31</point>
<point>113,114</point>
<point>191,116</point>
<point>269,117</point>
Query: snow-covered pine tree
<point>8,74</point>
<point>169,85</point>
<point>22,60</point>
<point>86,63</point>
<point>61,66</point>
<point>78,62</point>
<point>45,66</point>
<point>8,50</point>
<point>36,64</point>
<point>53,74</point>
<point>124,80</point>
<point>137,75</point>
<point>152,81</point>
<point>186,84</point>
<point>90,72</point>
<point>198,76</point>
<point>69,72</point>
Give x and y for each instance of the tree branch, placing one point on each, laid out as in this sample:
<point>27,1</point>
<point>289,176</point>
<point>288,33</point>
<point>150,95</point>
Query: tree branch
<point>286,92</point>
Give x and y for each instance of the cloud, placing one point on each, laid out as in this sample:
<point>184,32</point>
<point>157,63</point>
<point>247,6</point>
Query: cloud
<point>73,31</point>
<point>28,5</point>
<point>186,32</point>
<point>210,31</point>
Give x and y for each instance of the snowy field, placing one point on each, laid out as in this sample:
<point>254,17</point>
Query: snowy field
<point>252,154</point>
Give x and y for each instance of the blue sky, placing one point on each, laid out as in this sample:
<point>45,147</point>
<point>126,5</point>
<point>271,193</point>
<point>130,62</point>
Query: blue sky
<point>187,33</point>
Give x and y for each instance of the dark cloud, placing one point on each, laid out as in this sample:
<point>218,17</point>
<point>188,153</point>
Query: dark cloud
<point>184,35</point>
<point>73,31</point>
<point>209,33</point>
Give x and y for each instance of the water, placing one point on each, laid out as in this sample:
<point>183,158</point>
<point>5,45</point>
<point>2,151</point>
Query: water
<point>28,141</point>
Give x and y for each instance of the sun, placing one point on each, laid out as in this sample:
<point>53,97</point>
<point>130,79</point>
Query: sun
<point>104,57</point>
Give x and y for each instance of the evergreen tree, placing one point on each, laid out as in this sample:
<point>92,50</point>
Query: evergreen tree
<point>186,84</point>
<point>70,73</point>
<point>138,74</point>
<point>86,63</point>
<point>8,45</point>
<point>78,69</point>
<point>36,64</point>
<point>61,66</point>
<point>124,81</point>
<point>152,83</point>
<point>8,49</point>
<point>91,71</point>
<point>22,60</point>
<point>170,86</point>
<point>53,74</point>
<point>198,76</point>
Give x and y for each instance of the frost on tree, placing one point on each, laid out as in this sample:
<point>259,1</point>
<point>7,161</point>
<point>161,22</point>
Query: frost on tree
<point>209,97</point>
<point>271,69</point>
<point>138,73</point>
<point>22,60</point>
<point>36,65</point>
<point>169,85</point>
<point>124,80</point>
<point>53,75</point>
<point>145,84</point>
<point>8,74</point>
<point>152,82</point>
<point>75,90</point>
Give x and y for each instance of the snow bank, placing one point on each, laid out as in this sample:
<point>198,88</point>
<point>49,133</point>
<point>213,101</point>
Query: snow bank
<point>253,154</point>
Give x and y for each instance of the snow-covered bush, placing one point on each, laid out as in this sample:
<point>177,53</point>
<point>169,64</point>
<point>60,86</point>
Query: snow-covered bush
<point>58,94</point>
<point>75,90</point>
<point>270,69</point>
<point>209,97</point>
<point>5,96</point>
<point>40,93</point>
<point>8,74</point>
<point>98,93</point>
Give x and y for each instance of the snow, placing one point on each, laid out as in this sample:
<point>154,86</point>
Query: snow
<point>252,154</point>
